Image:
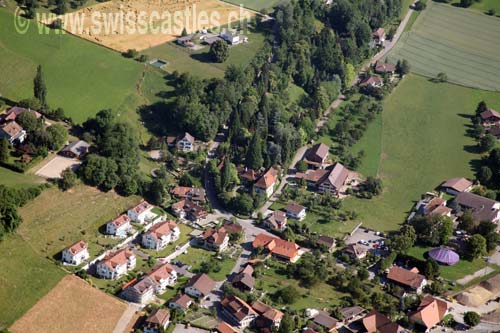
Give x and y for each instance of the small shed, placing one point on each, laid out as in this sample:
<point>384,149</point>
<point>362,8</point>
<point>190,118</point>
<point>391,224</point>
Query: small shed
<point>76,149</point>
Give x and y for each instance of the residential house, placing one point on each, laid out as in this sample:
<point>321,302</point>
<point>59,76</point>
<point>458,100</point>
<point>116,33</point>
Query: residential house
<point>328,180</point>
<point>326,242</point>
<point>266,183</point>
<point>244,280</point>
<point>139,291</point>
<point>352,313</point>
<point>434,206</point>
<point>230,37</point>
<point>248,176</point>
<point>14,112</point>
<point>277,247</point>
<point>375,322</point>
<point>76,149</point>
<point>356,251</point>
<point>276,221</point>
<point>185,142</point>
<point>119,226</point>
<point>327,322</point>
<point>13,132</point>
<point>163,276</point>
<point>295,211</point>
<point>372,81</point>
<point>378,37</point>
<point>141,213</point>
<point>215,240</point>
<point>239,312</point>
<point>224,327</point>
<point>483,209</point>
<point>181,302</point>
<point>185,40</point>
<point>160,235</point>
<point>116,264</point>
<point>315,157</point>
<point>384,68</point>
<point>187,209</point>
<point>192,193</point>
<point>269,317</point>
<point>199,286</point>
<point>232,228</point>
<point>490,118</point>
<point>429,313</point>
<point>212,39</point>
<point>76,253</point>
<point>157,321</point>
<point>454,186</point>
<point>408,279</point>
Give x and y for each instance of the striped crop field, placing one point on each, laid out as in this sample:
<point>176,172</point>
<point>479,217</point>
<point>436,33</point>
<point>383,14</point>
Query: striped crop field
<point>464,44</point>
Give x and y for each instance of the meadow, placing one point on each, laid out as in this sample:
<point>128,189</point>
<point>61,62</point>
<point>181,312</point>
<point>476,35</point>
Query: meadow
<point>81,77</point>
<point>257,5</point>
<point>461,43</point>
<point>11,178</point>
<point>423,142</point>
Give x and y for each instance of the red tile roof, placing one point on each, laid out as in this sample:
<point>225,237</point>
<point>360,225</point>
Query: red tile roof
<point>214,236</point>
<point>77,247</point>
<point>161,229</point>
<point>276,246</point>
<point>159,317</point>
<point>379,33</point>
<point>237,307</point>
<point>458,184</point>
<point>117,258</point>
<point>121,220</point>
<point>161,272</point>
<point>405,277</point>
<point>11,128</point>
<point>142,207</point>
<point>268,179</point>
<point>430,311</point>
<point>377,322</point>
<point>224,327</point>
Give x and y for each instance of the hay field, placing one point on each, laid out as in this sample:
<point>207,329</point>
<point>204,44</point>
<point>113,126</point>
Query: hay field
<point>72,306</point>
<point>158,29</point>
<point>461,43</point>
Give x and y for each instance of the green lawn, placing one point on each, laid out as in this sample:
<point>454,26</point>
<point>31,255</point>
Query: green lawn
<point>196,256</point>
<point>183,59</point>
<point>484,5</point>
<point>405,7</point>
<point>11,178</point>
<point>461,43</point>
<point>183,239</point>
<point>452,273</point>
<point>25,278</point>
<point>81,77</point>
<point>423,142</point>
<point>370,144</point>
<point>257,5</point>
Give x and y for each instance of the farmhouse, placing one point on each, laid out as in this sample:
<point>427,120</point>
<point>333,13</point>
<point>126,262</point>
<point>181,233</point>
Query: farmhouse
<point>187,209</point>
<point>215,240</point>
<point>454,186</point>
<point>266,183</point>
<point>239,312</point>
<point>328,180</point>
<point>384,68</point>
<point>13,132</point>
<point>295,211</point>
<point>276,220</point>
<point>160,235</point>
<point>157,321</point>
<point>119,226</point>
<point>116,264</point>
<point>199,286</point>
<point>141,213</point>
<point>192,193</point>
<point>76,149</point>
<point>483,209</point>
<point>76,253</point>
<point>409,279</point>
<point>244,280</point>
<point>490,117</point>
<point>269,317</point>
<point>430,312</point>
<point>316,156</point>
<point>12,113</point>
<point>372,81</point>
<point>277,247</point>
<point>181,302</point>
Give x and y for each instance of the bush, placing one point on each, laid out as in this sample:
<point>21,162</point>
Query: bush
<point>472,318</point>
<point>420,5</point>
<point>130,53</point>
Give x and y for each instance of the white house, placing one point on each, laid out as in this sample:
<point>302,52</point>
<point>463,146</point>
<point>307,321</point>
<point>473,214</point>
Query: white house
<point>267,182</point>
<point>76,253</point>
<point>163,276</point>
<point>181,302</point>
<point>13,132</point>
<point>160,235</point>
<point>116,264</point>
<point>230,37</point>
<point>199,286</point>
<point>185,142</point>
<point>141,213</point>
<point>119,226</point>
<point>154,282</point>
<point>157,321</point>
<point>295,211</point>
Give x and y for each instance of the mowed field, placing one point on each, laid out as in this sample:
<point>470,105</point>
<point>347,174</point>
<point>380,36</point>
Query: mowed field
<point>81,77</point>
<point>73,306</point>
<point>258,5</point>
<point>15,179</point>
<point>464,44</point>
<point>423,143</point>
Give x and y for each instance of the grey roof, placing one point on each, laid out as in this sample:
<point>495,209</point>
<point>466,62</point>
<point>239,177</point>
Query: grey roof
<point>337,176</point>
<point>77,147</point>
<point>325,320</point>
<point>483,209</point>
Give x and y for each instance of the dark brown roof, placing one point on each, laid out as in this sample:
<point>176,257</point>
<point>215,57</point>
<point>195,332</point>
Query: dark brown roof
<point>325,320</point>
<point>483,209</point>
<point>237,307</point>
<point>202,282</point>
<point>232,228</point>
<point>184,301</point>
<point>495,130</point>
<point>294,208</point>
<point>317,153</point>
<point>405,277</point>
<point>384,67</point>
<point>267,311</point>
<point>371,80</point>
<point>337,176</point>
<point>159,317</point>
<point>458,184</point>
<point>490,114</point>
<point>326,241</point>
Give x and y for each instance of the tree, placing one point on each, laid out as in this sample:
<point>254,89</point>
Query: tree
<point>58,135</point>
<point>254,159</point>
<point>301,166</point>
<point>4,150</point>
<point>476,246</point>
<point>481,107</point>
<point>431,270</point>
<point>68,179</point>
<point>403,67</point>
<point>433,229</point>
<point>242,203</point>
<point>28,121</point>
<point>287,295</point>
<point>442,77</point>
<point>472,318</point>
<point>420,5</point>
<point>403,241</point>
<point>184,32</point>
<point>219,51</point>
<point>287,324</point>
<point>487,143</point>
<point>466,3</point>
<point>61,7</point>
<point>485,174</point>
<point>40,89</point>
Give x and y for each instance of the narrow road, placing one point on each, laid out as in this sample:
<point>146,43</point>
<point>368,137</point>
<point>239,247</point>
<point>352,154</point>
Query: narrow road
<point>122,324</point>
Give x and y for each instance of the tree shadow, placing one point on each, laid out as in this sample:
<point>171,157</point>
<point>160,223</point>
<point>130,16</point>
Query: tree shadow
<point>476,165</point>
<point>202,57</point>
<point>474,149</point>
